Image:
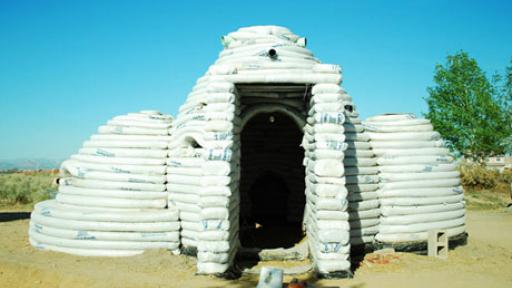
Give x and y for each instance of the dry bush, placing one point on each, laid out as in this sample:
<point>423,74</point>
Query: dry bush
<point>477,176</point>
<point>25,188</point>
<point>506,176</point>
<point>485,188</point>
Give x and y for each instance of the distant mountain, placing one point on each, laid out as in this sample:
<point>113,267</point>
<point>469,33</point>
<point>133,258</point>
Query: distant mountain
<point>29,164</point>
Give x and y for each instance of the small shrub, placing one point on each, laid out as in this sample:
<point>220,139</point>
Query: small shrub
<point>26,188</point>
<point>477,176</point>
<point>506,176</point>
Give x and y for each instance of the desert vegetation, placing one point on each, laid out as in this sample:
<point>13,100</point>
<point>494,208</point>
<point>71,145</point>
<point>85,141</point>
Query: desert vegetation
<point>485,188</point>
<point>26,188</point>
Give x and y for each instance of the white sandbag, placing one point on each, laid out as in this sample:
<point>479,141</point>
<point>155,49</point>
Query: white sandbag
<point>140,124</point>
<point>184,197</point>
<point>404,136</point>
<point>328,190</point>
<point>111,202</point>
<point>219,168</point>
<point>84,252</point>
<point>123,194</point>
<point>324,137</point>
<point>323,180</point>
<point>395,177</point>
<point>420,192</point>
<point>448,182</point>
<point>391,118</point>
<point>412,210</point>
<point>360,162</point>
<point>211,267</point>
<point>325,88</point>
<point>364,227</point>
<point>359,153</point>
<point>361,170</point>
<point>425,127</point>
<point>364,205</point>
<point>406,144</point>
<point>407,160</point>
<point>326,266</point>
<point>362,179</point>
<point>101,184</point>
<point>362,196</point>
<point>416,228</point>
<point>124,152</point>
<point>54,209</point>
<point>333,224</point>
<point>131,130</point>
<point>113,176</point>
<point>338,236</point>
<point>418,168</point>
<point>189,216</point>
<point>117,168</point>
<point>422,218</point>
<point>421,200</point>
<point>357,214</point>
<point>213,257</point>
<point>410,152</point>
<point>357,188</point>
<point>185,162</point>
<point>184,171</point>
<point>128,138</point>
<point>420,236</point>
<point>118,160</point>
<point>181,188</point>
<point>97,244</point>
<point>107,236</point>
<point>319,154</point>
<point>104,226</point>
<point>126,144</point>
<point>328,168</point>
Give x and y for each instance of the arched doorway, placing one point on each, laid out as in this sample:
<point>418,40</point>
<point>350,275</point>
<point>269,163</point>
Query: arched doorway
<point>272,188</point>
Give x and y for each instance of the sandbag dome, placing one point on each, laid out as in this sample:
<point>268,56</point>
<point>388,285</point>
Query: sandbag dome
<point>264,72</point>
<point>112,199</point>
<point>420,188</point>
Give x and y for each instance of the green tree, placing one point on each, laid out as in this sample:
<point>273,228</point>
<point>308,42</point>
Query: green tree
<point>464,108</point>
<point>503,88</point>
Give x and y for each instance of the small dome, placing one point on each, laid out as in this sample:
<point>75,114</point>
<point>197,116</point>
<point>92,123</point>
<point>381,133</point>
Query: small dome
<point>112,198</point>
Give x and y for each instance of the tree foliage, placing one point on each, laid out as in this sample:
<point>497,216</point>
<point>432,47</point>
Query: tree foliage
<point>503,87</point>
<point>467,109</point>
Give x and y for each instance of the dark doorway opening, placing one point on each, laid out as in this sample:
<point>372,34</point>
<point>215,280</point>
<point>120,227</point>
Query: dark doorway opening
<point>272,189</point>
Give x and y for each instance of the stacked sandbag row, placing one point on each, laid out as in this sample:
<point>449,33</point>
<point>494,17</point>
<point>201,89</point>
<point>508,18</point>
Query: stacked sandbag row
<point>220,197</point>
<point>361,174</point>
<point>268,54</point>
<point>112,198</point>
<point>419,183</point>
<point>203,173</point>
<point>183,185</point>
<point>327,219</point>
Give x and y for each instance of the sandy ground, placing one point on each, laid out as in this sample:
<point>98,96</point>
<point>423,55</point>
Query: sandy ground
<point>485,262</point>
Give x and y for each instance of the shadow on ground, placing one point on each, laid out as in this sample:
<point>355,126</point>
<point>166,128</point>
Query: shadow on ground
<point>13,216</point>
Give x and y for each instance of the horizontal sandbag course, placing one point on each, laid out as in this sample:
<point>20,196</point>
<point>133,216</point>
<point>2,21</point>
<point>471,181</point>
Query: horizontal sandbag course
<point>112,198</point>
<point>419,185</point>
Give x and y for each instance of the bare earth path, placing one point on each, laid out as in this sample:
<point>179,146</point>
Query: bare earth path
<point>485,262</point>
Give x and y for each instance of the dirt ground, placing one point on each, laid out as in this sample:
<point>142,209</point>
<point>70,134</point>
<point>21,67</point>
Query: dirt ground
<point>485,262</point>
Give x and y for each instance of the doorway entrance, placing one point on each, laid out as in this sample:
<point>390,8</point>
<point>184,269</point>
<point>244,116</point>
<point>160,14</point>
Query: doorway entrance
<point>272,187</point>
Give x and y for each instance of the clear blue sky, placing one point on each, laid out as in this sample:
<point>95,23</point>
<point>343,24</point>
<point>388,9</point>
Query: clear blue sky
<point>68,66</point>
